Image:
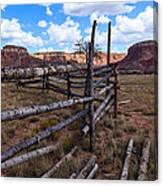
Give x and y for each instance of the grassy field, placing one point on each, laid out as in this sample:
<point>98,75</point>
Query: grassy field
<point>136,119</point>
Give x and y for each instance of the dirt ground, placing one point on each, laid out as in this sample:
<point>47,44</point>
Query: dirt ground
<point>137,119</point>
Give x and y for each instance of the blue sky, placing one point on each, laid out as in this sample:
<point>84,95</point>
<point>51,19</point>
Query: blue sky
<point>47,27</point>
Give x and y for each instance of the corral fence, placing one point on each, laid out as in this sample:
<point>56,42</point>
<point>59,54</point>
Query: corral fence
<point>98,94</point>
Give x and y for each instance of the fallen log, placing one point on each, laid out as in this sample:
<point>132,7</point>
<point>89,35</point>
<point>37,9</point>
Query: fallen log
<point>124,174</point>
<point>65,159</point>
<point>73,176</point>
<point>93,172</point>
<point>85,171</point>
<point>41,135</point>
<point>38,109</point>
<point>29,155</point>
<point>144,160</point>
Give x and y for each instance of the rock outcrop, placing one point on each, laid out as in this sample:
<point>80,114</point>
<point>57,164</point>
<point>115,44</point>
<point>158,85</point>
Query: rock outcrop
<point>80,58</point>
<point>141,58</point>
<point>14,56</point>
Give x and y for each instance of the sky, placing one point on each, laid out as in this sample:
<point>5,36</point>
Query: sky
<point>58,26</point>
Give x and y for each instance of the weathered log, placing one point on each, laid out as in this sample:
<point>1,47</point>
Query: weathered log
<point>41,135</point>
<point>98,67</point>
<point>78,76</point>
<point>102,106</point>
<point>103,90</point>
<point>93,172</point>
<point>75,86</point>
<point>86,170</point>
<point>73,175</point>
<point>57,80</point>
<point>90,90</point>
<point>102,71</point>
<point>65,159</point>
<point>124,174</point>
<point>25,82</point>
<point>85,129</point>
<point>98,82</point>
<point>115,91</point>
<point>62,91</point>
<point>108,53</point>
<point>28,156</point>
<point>22,73</point>
<point>104,111</point>
<point>77,82</point>
<point>38,109</point>
<point>144,160</point>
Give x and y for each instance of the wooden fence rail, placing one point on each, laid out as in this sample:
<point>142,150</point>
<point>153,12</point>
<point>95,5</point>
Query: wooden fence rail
<point>41,135</point>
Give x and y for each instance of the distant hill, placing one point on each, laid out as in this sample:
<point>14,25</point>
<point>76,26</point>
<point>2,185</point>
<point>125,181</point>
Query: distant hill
<point>76,57</point>
<point>13,56</point>
<point>141,58</point>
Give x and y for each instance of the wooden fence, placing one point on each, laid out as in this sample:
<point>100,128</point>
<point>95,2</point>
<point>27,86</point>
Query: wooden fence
<point>98,94</point>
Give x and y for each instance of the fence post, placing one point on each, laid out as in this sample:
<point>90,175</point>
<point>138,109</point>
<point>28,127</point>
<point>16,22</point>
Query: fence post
<point>108,53</point>
<point>68,86</point>
<point>91,88</point>
<point>47,78</point>
<point>43,77</point>
<point>115,90</point>
<point>91,104</point>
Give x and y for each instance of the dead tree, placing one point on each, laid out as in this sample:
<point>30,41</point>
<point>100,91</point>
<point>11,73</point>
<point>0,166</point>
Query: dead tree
<point>144,160</point>
<point>65,159</point>
<point>124,174</point>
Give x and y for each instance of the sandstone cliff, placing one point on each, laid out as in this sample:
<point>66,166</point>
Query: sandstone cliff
<point>141,57</point>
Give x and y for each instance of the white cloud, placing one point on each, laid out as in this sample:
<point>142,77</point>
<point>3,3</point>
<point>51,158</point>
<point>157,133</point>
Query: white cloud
<point>48,10</point>
<point>130,30</point>
<point>105,8</point>
<point>42,23</point>
<point>2,7</point>
<point>65,33</point>
<point>127,31</point>
<point>100,19</point>
<point>12,33</point>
